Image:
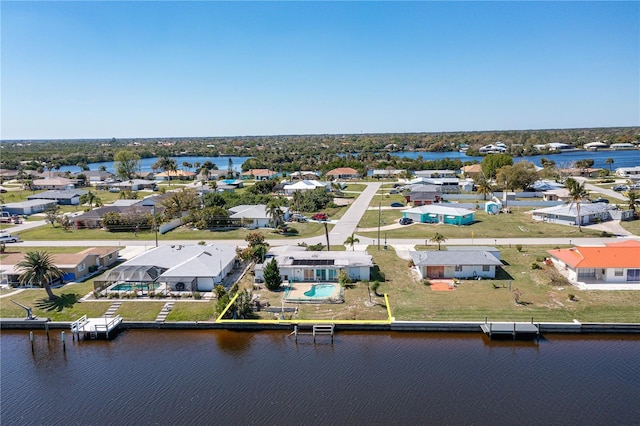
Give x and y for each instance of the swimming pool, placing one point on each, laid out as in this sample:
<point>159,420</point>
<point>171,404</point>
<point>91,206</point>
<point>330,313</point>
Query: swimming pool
<point>129,287</point>
<point>320,291</point>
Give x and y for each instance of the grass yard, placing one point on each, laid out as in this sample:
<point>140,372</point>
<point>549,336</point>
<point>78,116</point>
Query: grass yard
<point>358,187</point>
<point>473,300</point>
<point>517,224</point>
<point>632,226</point>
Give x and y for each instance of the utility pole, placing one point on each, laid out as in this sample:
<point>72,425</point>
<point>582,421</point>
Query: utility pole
<point>155,225</point>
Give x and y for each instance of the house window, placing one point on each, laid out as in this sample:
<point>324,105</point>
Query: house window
<point>586,273</point>
<point>458,268</point>
<point>486,268</point>
<point>81,267</point>
<point>633,274</point>
<point>618,272</point>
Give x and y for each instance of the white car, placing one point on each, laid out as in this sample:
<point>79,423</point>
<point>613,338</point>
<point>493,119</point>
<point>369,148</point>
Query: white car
<point>8,238</point>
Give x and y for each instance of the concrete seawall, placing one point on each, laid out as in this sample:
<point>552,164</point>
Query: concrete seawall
<point>408,326</point>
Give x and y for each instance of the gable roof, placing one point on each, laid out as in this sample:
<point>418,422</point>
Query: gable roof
<point>438,209</point>
<point>176,173</point>
<point>613,255</point>
<point>570,209</point>
<point>259,172</point>
<point>58,194</point>
<point>342,171</point>
<point>454,257</point>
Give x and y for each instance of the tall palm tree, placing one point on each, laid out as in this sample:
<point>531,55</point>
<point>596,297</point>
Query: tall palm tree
<point>37,267</point>
<point>484,186</point>
<point>577,193</point>
<point>351,241</point>
<point>633,197</point>
<point>609,161</point>
<point>439,239</point>
<point>274,212</point>
<point>91,199</point>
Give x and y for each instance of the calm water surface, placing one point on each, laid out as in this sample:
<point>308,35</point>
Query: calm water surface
<point>223,377</point>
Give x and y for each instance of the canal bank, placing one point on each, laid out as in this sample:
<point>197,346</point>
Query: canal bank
<point>288,325</point>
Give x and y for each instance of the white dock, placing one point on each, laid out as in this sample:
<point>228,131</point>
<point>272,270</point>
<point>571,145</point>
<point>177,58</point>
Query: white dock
<point>94,328</point>
<point>316,330</point>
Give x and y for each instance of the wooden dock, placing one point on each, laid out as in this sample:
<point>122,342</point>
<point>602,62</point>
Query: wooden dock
<point>95,328</point>
<point>513,329</point>
<point>316,330</point>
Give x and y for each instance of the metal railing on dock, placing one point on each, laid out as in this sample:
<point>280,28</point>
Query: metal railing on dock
<point>316,330</point>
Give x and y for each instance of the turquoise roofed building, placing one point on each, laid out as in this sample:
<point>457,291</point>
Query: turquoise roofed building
<point>436,213</point>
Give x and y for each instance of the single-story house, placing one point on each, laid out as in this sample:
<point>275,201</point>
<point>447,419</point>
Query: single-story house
<point>447,185</point>
<point>490,249</point>
<point>6,174</point>
<point>129,185</point>
<point>472,171</point>
<point>64,197</point>
<point>471,263</point>
<point>181,267</point>
<point>387,173</point>
<point>54,183</point>
<point>296,266</point>
<point>435,173</point>
<point>304,185</point>
<point>73,265</point>
<point>567,214</point>
<point>28,207</point>
<point>94,176</point>
<point>255,215</point>
<point>343,173</point>
<point>616,262</point>
<point>594,146</point>
<point>436,213</point>
<point>302,175</point>
<point>93,218</point>
<point>421,195</point>
<point>259,174</point>
<point>175,175</point>
<point>576,171</point>
<point>561,194</point>
<point>628,171</point>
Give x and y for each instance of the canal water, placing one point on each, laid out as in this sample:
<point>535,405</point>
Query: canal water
<point>226,377</point>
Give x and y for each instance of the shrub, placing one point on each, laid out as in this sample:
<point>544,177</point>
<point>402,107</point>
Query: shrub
<point>411,264</point>
<point>572,296</point>
<point>151,294</point>
<point>535,265</point>
<point>426,282</point>
<point>197,295</point>
<point>519,247</point>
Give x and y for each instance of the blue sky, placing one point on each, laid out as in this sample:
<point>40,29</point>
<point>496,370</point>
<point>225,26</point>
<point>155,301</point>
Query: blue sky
<point>161,69</point>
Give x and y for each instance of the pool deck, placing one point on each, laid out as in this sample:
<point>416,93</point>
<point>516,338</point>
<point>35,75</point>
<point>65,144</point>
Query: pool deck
<point>295,293</point>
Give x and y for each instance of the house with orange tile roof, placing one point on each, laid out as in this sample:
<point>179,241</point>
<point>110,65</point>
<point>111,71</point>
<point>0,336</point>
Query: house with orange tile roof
<point>613,263</point>
<point>343,173</point>
<point>259,174</point>
<point>471,171</point>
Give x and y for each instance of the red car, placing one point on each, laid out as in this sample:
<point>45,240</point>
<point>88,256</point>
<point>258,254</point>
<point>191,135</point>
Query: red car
<point>320,216</point>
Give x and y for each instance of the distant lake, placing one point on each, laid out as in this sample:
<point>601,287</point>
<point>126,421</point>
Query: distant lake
<point>621,158</point>
<point>145,163</point>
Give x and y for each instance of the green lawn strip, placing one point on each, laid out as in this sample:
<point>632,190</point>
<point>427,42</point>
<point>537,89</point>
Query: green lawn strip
<point>385,200</point>
<point>358,187</point>
<point>139,310</point>
<point>193,311</point>
<point>387,217</point>
<point>518,224</point>
<point>632,226</point>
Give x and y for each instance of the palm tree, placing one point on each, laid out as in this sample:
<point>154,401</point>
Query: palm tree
<point>438,238</point>
<point>633,197</point>
<point>37,268</point>
<point>351,241</point>
<point>609,161</point>
<point>484,187</point>
<point>274,212</point>
<point>90,198</point>
<point>577,193</point>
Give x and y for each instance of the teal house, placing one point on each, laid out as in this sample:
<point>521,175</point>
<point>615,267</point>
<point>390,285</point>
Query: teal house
<point>436,213</point>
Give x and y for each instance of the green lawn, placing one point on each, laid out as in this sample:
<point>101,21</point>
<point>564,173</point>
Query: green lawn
<point>517,224</point>
<point>632,226</point>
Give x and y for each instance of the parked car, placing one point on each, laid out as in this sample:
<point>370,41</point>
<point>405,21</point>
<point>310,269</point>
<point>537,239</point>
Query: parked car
<point>620,188</point>
<point>297,217</point>
<point>320,216</point>
<point>396,204</point>
<point>405,221</point>
<point>600,200</point>
<point>5,237</point>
